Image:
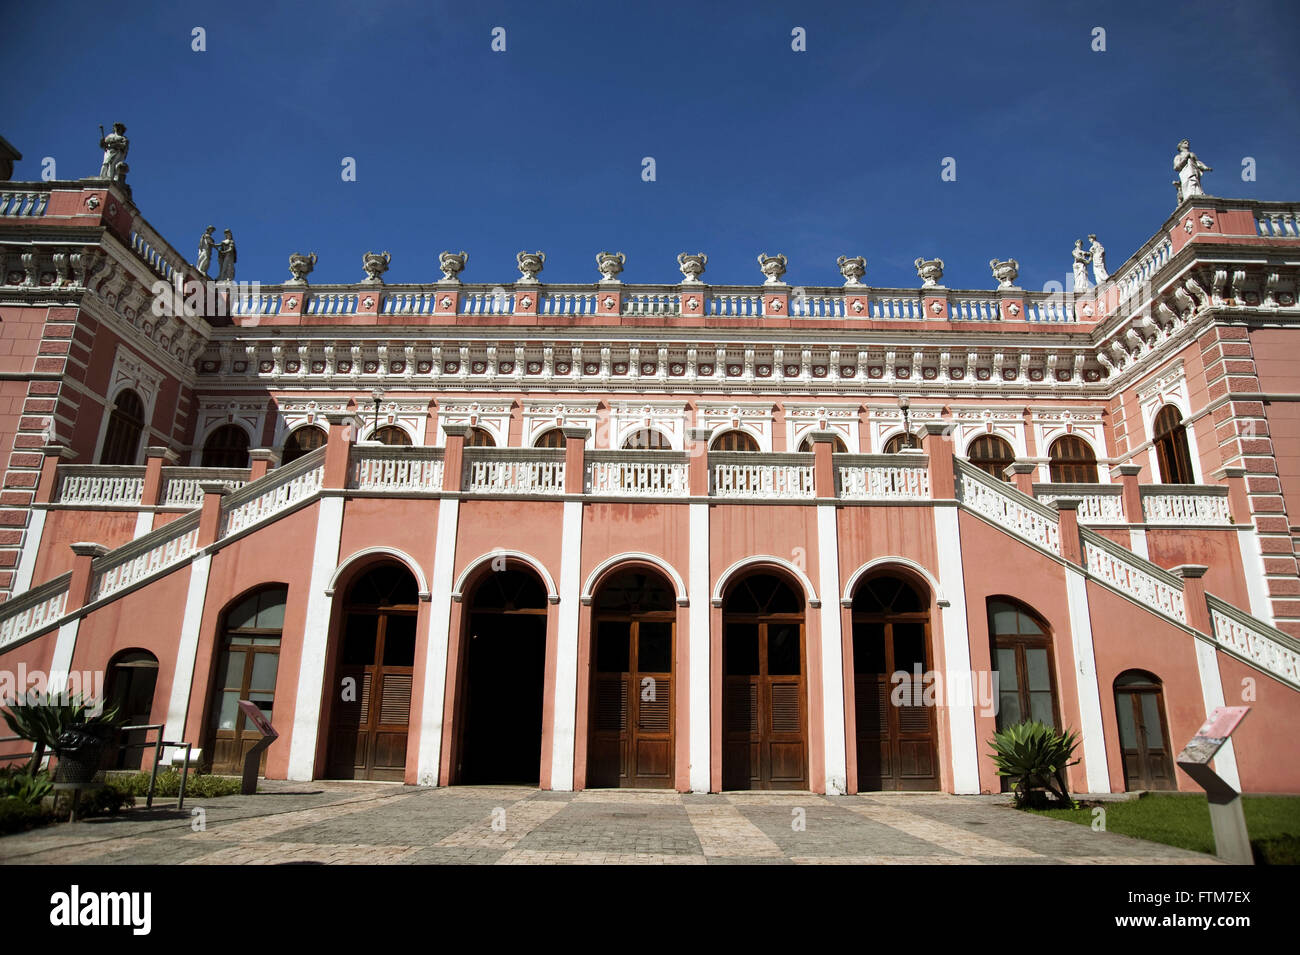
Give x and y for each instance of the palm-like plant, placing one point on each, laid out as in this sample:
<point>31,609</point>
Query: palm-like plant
<point>43,723</point>
<point>1034,757</point>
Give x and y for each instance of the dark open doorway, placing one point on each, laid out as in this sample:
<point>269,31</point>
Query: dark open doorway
<point>503,681</point>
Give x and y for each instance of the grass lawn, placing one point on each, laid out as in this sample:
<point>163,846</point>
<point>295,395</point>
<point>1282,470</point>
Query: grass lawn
<point>1184,820</point>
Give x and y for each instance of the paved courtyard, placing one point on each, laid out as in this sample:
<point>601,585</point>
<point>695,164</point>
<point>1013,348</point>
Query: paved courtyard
<point>333,822</point>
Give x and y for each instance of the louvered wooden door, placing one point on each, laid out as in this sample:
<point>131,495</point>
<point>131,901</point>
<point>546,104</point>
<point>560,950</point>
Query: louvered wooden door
<point>897,729</point>
<point>764,717</point>
<point>372,709</point>
<point>631,738</point>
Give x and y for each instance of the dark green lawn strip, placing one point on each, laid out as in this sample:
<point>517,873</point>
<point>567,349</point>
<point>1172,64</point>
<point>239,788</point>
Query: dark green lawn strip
<point>1184,820</point>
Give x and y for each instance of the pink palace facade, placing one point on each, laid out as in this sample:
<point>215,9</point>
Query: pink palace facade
<point>670,536</point>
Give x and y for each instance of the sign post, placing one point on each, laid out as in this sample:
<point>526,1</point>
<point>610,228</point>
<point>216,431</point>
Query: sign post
<point>254,716</point>
<point>1231,840</point>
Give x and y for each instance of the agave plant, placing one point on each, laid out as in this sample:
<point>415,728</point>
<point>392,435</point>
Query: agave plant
<point>43,723</point>
<point>27,787</point>
<point>1034,757</point>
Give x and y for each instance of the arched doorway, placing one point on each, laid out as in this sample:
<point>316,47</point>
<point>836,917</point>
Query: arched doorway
<point>247,668</point>
<point>552,438</point>
<point>991,454</point>
<point>502,679</point>
<point>132,676</point>
<point>125,425</point>
<point>303,441</point>
<point>226,447</point>
<point>633,618</point>
<point>903,441</point>
<point>479,438</point>
<point>734,440</point>
<point>392,435</point>
<point>1072,461</point>
<point>895,700</point>
<point>371,709</point>
<point>1171,447</point>
<point>764,708</point>
<point>1143,731</point>
<point>647,439</point>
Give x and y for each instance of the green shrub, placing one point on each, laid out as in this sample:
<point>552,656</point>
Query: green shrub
<point>1279,850</point>
<point>169,784</point>
<point>44,721</point>
<point>16,815</point>
<point>1034,757</point>
<point>20,784</point>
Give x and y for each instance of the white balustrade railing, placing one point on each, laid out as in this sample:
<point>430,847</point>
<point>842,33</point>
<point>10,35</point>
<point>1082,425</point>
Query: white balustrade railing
<point>1282,224</point>
<point>410,303</point>
<point>23,202</point>
<point>974,309</point>
<point>567,303</point>
<point>1185,504</point>
<point>1265,647</point>
<point>735,305</point>
<point>1008,508</point>
<point>33,611</point>
<point>154,250</point>
<point>621,473</point>
<point>1098,504</point>
<point>289,485</point>
<point>244,302</point>
<point>396,469</point>
<point>331,303</point>
<point>904,306</point>
<point>1140,579</point>
<point>817,306</point>
<point>1055,309</point>
<point>882,478</point>
<point>99,486</point>
<point>774,476</point>
<point>182,487</point>
<point>165,547</point>
<point>1146,263</point>
<point>652,303</point>
<point>511,472</point>
<point>494,302</point>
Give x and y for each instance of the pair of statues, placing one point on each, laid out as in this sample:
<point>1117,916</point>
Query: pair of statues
<point>1096,254</point>
<point>225,254</point>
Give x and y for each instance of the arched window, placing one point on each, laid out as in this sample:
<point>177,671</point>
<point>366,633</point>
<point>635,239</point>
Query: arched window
<point>1022,658</point>
<point>392,435</point>
<point>1171,447</point>
<point>246,670</point>
<point>1072,461</point>
<point>837,445</point>
<point>1143,731</point>
<point>227,447</point>
<point>479,438</point>
<point>647,439</point>
<point>734,441</point>
<point>125,425</point>
<point>303,441</point>
<point>900,442</point>
<point>991,455</point>
<point>554,438</point>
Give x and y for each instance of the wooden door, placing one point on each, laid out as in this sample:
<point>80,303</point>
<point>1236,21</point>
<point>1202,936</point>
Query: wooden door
<point>897,728</point>
<point>372,707</point>
<point>246,672</point>
<point>632,704</point>
<point>763,709</point>
<point>1144,736</point>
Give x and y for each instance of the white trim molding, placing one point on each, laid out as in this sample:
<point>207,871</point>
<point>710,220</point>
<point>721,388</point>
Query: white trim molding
<point>458,591</point>
<point>411,564</point>
<point>810,592</point>
<point>588,589</point>
<point>852,582</point>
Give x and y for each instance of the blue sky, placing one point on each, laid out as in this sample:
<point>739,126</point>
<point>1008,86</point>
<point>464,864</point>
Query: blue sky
<point>836,150</point>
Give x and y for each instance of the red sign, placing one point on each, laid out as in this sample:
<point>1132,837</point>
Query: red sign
<point>254,715</point>
<point>1214,732</point>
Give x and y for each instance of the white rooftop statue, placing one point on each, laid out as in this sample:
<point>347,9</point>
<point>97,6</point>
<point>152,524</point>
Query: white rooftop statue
<point>1189,170</point>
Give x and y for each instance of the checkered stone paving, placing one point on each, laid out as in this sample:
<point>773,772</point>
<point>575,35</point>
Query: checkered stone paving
<point>326,822</point>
